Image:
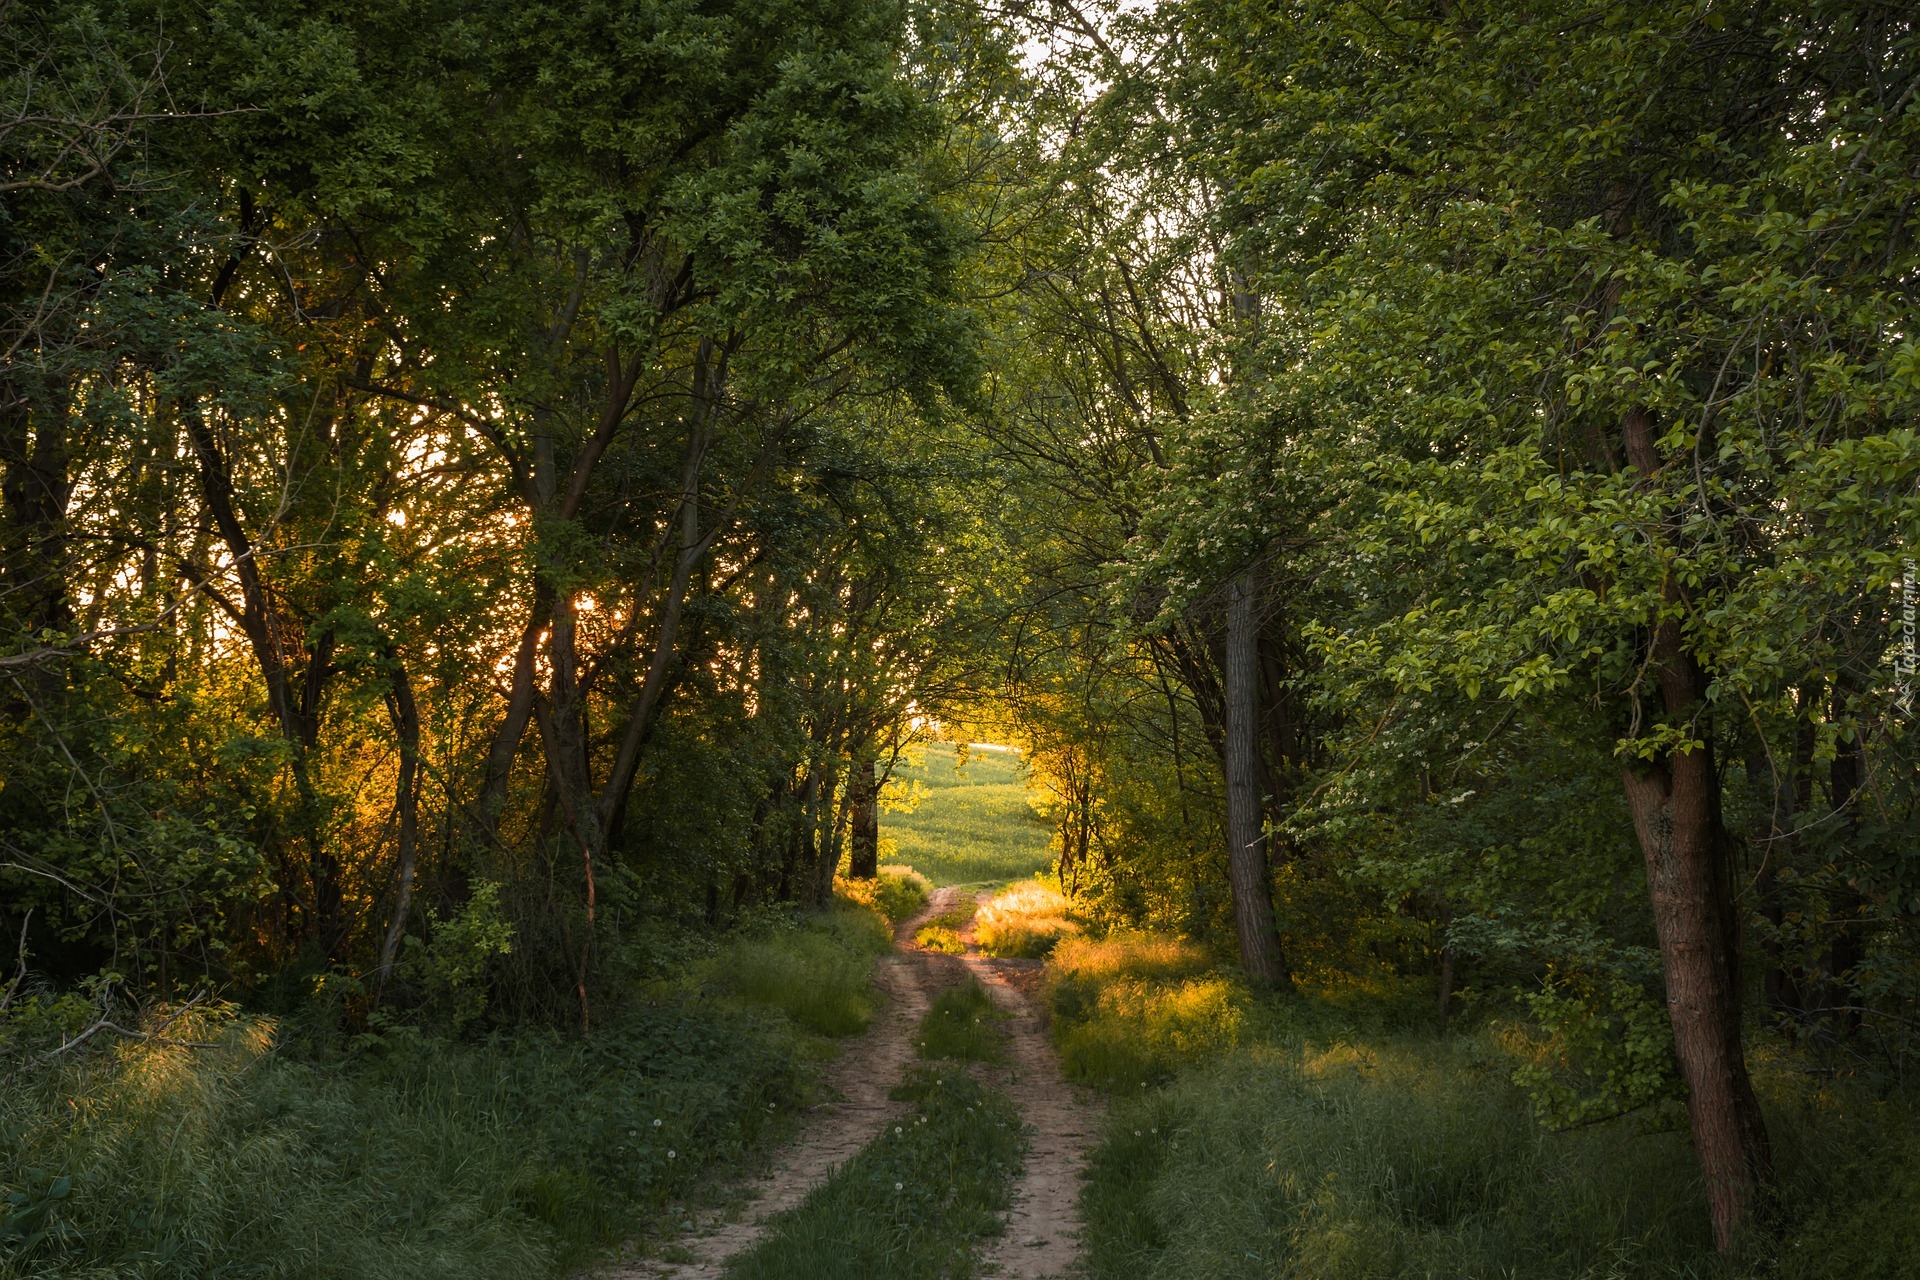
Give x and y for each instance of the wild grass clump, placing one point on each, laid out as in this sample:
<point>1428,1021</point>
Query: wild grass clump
<point>964,1023</point>
<point>1026,922</point>
<point>942,932</point>
<point>1393,1158</point>
<point>1132,1010</point>
<point>814,973</point>
<point>897,892</point>
<point>405,1156</point>
<point>915,1203</point>
<point>938,937</point>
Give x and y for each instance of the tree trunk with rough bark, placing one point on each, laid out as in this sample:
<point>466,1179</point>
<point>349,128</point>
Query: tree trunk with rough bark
<point>1675,801</point>
<point>863,860</point>
<point>1247,872</point>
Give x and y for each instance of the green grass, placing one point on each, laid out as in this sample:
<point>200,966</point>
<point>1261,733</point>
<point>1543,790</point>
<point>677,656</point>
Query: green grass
<point>815,974</point>
<point>403,1155</point>
<point>1329,1138</point>
<point>974,826</point>
<point>963,1024</point>
<point>415,1158</point>
<point>914,1204</point>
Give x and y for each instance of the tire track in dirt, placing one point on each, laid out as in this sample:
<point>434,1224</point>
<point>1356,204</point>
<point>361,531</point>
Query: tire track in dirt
<point>876,1060</point>
<point>1042,1237</point>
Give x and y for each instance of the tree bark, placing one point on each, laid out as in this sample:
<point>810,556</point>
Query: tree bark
<point>863,861</point>
<point>406,801</point>
<point>1675,801</point>
<point>1247,872</point>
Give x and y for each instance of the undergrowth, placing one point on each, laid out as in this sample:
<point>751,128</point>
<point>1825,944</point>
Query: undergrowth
<point>1326,1137</point>
<point>815,973</point>
<point>1130,1011</point>
<point>914,1204</point>
<point>896,892</point>
<point>400,1154</point>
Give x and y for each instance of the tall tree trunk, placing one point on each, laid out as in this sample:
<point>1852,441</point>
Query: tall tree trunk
<point>1675,801</point>
<point>863,859</point>
<point>406,802</point>
<point>1247,871</point>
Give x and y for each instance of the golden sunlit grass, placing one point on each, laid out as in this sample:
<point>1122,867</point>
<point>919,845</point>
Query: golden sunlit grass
<point>1026,921</point>
<point>896,892</point>
<point>1133,1009</point>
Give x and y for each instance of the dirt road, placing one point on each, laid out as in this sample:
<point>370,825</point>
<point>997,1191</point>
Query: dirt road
<point>1042,1226</point>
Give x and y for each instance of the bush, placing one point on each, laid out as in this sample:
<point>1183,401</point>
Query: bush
<point>1025,922</point>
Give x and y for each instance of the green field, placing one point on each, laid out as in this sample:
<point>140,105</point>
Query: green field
<point>974,826</point>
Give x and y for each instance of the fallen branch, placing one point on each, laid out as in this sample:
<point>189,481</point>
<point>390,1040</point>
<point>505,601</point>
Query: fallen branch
<point>156,1037</point>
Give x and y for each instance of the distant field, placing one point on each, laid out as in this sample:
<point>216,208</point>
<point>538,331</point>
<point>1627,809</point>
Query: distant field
<point>975,827</point>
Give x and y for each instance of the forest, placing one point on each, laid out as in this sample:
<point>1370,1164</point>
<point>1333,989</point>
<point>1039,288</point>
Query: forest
<point>1152,638</point>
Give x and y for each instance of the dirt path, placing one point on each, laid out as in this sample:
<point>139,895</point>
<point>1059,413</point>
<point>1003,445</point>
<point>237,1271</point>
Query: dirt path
<point>1043,1225</point>
<point>834,1132</point>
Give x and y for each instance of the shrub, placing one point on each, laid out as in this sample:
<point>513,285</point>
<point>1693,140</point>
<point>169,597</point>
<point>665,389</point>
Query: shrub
<point>1027,921</point>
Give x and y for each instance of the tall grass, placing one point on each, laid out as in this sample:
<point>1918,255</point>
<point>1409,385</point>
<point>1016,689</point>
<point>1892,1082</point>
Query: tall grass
<point>1390,1159</point>
<point>1026,921</point>
<point>896,892</point>
<point>1132,1010</point>
<point>975,825</point>
<point>1323,1139</point>
<point>401,1155</point>
<point>413,1158</point>
<point>815,973</point>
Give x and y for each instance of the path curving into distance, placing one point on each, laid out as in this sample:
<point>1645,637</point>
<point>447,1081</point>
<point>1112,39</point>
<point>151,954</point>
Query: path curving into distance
<point>1041,1239</point>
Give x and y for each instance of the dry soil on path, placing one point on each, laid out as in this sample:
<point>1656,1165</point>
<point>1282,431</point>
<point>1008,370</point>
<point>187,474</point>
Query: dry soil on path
<point>1042,1227</point>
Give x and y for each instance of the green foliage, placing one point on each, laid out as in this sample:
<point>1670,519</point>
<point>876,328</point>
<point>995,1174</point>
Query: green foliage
<point>898,893</point>
<point>938,937</point>
<point>912,1205</point>
<point>1608,1050</point>
<point>974,825</point>
<point>450,968</point>
<point>963,1023</point>
<point>902,893</point>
